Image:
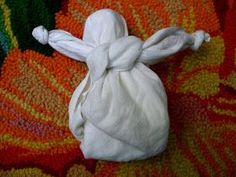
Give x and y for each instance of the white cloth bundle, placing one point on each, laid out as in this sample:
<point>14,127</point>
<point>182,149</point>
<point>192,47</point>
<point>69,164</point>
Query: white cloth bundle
<point>119,111</point>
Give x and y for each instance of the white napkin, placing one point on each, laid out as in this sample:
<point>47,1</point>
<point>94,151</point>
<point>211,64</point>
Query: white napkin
<point>119,111</point>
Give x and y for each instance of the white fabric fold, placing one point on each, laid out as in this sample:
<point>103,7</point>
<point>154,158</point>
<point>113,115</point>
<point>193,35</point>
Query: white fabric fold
<point>119,111</point>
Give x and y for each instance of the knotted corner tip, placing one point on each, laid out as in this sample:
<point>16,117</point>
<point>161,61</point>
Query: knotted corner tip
<point>207,37</point>
<point>40,33</point>
<point>200,36</point>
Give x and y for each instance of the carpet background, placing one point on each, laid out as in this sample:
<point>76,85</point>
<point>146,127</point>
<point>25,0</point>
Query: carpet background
<point>36,84</point>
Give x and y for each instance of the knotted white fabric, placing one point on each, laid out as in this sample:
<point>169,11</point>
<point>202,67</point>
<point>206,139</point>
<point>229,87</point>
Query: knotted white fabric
<point>119,111</point>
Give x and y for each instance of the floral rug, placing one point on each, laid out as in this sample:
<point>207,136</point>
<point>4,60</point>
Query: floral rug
<point>36,84</point>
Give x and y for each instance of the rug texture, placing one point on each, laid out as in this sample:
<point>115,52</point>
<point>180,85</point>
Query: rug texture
<point>36,84</point>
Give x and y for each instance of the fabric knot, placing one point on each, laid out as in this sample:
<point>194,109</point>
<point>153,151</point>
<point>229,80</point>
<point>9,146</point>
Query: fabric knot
<point>200,36</point>
<point>41,34</point>
<point>119,55</point>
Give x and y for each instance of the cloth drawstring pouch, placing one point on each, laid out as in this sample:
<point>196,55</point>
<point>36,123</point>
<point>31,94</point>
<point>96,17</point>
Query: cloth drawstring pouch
<point>119,111</point>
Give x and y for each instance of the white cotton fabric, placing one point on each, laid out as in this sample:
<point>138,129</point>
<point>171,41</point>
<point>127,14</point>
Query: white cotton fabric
<point>119,111</point>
